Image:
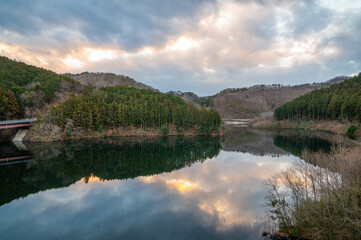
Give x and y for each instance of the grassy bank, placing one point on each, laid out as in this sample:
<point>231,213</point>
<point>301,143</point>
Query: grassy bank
<point>326,126</point>
<point>320,198</point>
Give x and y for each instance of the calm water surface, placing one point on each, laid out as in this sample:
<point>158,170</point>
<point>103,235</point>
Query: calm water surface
<point>136,188</point>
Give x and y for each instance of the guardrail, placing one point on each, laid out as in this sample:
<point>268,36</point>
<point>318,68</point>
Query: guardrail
<point>17,123</point>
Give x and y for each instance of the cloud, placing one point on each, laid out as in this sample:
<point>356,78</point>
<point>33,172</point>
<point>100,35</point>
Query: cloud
<point>127,24</point>
<point>201,46</point>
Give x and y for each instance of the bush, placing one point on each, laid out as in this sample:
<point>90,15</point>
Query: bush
<point>68,132</point>
<point>205,128</point>
<point>351,130</point>
<point>164,130</point>
<point>180,129</point>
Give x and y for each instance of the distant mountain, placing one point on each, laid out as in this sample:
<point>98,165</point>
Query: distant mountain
<point>107,80</point>
<point>243,103</point>
<point>259,100</point>
<point>193,98</point>
<point>338,79</point>
<point>255,101</point>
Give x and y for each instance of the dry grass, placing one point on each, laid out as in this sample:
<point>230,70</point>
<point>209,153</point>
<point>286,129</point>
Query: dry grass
<point>326,126</point>
<point>321,201</point>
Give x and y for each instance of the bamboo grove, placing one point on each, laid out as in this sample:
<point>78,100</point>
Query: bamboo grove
<point>111,107</point>
<point>339,102</point>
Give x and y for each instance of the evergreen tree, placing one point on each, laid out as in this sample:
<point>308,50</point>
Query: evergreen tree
<point>339,102</point>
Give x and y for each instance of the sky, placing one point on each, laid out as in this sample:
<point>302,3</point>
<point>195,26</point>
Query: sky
<point>189,45</point>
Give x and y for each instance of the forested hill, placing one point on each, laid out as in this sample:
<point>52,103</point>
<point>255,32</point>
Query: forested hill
<point>121,106</point>
<point>107,80</point>
<point>27,91</point>
<point>339,102</point>
<point>24,87</point>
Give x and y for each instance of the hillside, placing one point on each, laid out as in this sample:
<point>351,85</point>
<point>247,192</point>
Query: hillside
<point>255,101</point>
<point>24,89</point>
<point>107,80</point>
<point>341,101</point>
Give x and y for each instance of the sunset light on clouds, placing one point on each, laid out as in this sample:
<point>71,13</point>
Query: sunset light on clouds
<point>199,46</point>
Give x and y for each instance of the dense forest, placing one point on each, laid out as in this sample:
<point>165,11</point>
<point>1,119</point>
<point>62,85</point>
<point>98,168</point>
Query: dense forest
<point>9,106</point>
<point>338,102</point>
<point>30,85</point>
<point>111,107</point>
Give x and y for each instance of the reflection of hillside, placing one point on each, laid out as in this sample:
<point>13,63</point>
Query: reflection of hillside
<point>295,144</point>
<point>271,142</point>
<point>8,149</point>
<point>62,164</point>
<point>243,139</point>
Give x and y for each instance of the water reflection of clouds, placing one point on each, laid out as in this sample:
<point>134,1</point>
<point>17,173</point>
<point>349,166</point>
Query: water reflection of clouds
<point>217,199</point>
<point>230,187</point>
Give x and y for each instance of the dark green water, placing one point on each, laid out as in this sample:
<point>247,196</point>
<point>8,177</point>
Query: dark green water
<point>135,188</point>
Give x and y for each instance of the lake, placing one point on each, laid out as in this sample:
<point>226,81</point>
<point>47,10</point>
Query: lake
<point>145,188</point>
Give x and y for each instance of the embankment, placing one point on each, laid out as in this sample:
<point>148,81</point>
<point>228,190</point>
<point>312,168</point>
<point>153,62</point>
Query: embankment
<point>47,132</point>
<point>7,134</point>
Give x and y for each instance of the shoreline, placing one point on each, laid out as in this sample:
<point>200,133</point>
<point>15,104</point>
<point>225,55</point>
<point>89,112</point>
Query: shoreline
<point>317,126</point>
<point>46,132</point>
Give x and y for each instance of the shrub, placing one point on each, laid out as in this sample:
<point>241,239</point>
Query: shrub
<point>180,129</point>
<point>351,130</point>
<point>68,132</point>
<point>164,130</point>
<point>204,128</point>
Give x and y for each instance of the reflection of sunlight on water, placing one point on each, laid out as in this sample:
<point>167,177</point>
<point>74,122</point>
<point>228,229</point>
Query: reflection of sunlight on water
<point>91,179</point>
<point>148,179</point>
<point>182,185</point>
<point>226,212</point>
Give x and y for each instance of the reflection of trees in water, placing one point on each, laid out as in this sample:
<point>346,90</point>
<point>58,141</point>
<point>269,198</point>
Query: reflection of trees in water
<point>295,144</point>
<point>274,143</point>
<point>62,164</point>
